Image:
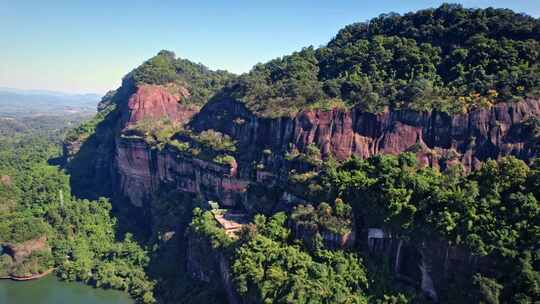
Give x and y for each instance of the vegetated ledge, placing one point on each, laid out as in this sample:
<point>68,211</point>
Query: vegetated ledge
<point>29,277</point>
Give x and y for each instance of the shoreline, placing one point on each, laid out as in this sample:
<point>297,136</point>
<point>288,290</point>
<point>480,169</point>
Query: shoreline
<point>28,278</point>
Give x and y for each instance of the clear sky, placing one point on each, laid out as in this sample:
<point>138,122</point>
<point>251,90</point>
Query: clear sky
<point>87,46</point>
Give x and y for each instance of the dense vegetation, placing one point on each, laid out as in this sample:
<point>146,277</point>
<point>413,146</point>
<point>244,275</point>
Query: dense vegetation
<point>209,144</point>
<point>493,212</point>
<point>269,266</point>
<point>451,59</point>
<point>81,236</point>
<point>166,69</point>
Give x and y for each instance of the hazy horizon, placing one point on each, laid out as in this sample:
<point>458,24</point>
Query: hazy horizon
<point>88,47</point>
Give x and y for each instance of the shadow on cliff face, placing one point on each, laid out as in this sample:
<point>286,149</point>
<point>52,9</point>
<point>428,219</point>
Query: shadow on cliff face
<point>167,219</point>
<point>56,161</point>
<point>159,225</point>
<point>90,176</point>
<point>89,157</point>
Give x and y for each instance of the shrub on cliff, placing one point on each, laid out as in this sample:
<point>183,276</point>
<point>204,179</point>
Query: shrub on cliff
<point>335,218</point>
<point>18,228</point>
<point>215,140</point>
<point>225,160</point>
<point>155,132</point>
<point>205,226</point>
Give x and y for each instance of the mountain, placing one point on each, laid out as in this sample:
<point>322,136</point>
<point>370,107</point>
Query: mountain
<point>409,140</point>
<point>34,102</point>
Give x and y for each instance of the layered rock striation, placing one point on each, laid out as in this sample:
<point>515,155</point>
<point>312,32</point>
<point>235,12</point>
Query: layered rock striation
<point>264,145</point>
<point>267,149</point>
<point>469,138</point>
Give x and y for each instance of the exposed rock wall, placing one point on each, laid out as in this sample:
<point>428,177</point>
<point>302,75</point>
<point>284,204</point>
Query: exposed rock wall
<point>133,169</point>
<point>156,102</point>
<point>209,265</point>
<point>431,265</point>
<point>141,170</point>
<point>438,137</point>
<point>21,251</point>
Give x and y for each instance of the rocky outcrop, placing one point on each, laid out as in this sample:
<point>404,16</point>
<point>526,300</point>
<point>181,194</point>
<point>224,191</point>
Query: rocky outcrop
<point>19,263</point>
<point>20,251</point>
<point>5,180</point>
<point>126,166</point>
<point>70,149</point>
<point>141,171</point>
<point>257,180</point>
<point>430,264</point>
<point>438,138</point>
<point>29,277</point>
<point>209,265</point>
<point>156,102</point>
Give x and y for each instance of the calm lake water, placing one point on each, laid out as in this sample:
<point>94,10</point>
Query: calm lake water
<point>50,290</point>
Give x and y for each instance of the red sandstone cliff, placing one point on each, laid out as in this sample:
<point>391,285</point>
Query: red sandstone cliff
<point>129,167</point>
<point>437,138</point>
<point>157,102</point>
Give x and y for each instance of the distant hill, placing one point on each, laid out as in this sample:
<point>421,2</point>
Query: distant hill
<point>15,102</point>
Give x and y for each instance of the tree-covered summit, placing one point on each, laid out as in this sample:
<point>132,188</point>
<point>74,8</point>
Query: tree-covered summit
<point>451,59</point>
<point>166,69</point>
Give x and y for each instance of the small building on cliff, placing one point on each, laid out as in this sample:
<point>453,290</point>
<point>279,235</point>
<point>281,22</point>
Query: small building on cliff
<point>230,221</point>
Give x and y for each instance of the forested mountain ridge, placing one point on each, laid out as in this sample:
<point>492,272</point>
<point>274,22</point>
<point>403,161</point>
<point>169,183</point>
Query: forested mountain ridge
<point>449,59</point>
<point>390,166</point>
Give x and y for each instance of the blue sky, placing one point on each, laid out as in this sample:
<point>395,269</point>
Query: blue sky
<point>87,46</point>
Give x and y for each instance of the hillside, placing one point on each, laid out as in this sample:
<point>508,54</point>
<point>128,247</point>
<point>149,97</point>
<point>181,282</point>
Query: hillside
<point>450,59</point>
<point>396,164</point>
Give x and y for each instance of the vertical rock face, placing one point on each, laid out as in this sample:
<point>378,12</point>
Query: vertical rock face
<point>133,160</point>
<point>141,170</point>
<point>155,102</point>
<point>136,170</point>
<point>437,138</point>
<point>206,265</point>
<point>469,138</point>
<point>430,264</point>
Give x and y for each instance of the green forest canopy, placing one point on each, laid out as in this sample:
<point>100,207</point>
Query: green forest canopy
<point>82,234</point>
<point>451,58</point>
<point>165,68</point>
